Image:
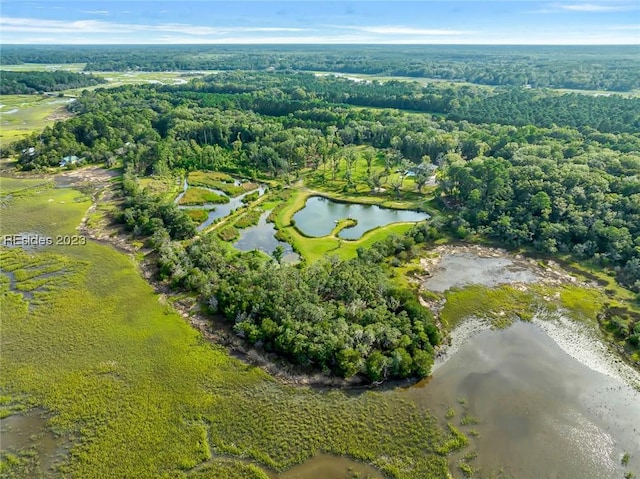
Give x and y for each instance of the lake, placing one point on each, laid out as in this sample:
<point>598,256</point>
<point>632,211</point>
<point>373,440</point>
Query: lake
<point>319,216</point>
<point>542,413</point>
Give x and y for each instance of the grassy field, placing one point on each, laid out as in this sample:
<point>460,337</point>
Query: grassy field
<point>200,196</point>
<point>219,181</point>
<point>39,67</point>
<point>21,115</point>
<point>85,338</point>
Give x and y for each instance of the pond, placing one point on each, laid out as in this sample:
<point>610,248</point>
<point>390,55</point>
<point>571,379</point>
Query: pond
<point>541,412</point>
<point>262,237</point>
<point>325,466</point>
<point>463,269</point>
<point>29,431</point>
<point>319,216</point>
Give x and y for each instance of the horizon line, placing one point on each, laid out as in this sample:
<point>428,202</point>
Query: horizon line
<point>328,44</point>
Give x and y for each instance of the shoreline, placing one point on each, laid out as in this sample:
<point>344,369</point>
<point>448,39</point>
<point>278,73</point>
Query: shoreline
<point>582,343</point>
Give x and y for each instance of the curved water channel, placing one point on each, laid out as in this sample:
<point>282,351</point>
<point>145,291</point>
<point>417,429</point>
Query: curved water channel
<point>263,238</point>
<point>217,211</point>
<point>320,215</point>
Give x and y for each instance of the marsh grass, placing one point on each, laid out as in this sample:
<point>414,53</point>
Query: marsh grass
<point>228,233</point>
<point>198,215</point>
<point>250,218</point>
<point>219,181</point>
<point>114,368</point>
<point>200,196</point>
<point>34,112</point>
<point>165,186</point>
<point>501,305</point>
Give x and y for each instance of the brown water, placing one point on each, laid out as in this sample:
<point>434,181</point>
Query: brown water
<point>20,432</point>
<point>542,413</point>
<point>326,466</point>
<point>462,269</point>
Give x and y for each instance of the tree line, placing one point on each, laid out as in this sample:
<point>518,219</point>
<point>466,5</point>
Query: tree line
<point>558,188</point>
<point>342,317</point>
<point>585,67</point>
<point>25,83</point>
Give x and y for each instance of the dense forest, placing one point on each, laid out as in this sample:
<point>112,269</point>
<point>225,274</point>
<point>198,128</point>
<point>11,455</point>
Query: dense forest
<point>584,67</point>
<point>21,83</point>
<point>343,317</point>
<point>583,183</point>
<point>559,188</point>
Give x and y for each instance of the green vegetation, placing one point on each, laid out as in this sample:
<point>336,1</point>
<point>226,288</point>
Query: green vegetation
<point>197,215</point>
<point>146,214</point>
<point>228,233</point>
<point>21,83</point>
<point>310,137</point>
<point>468,420</point>
<point>581,67</point>
<point>501,305</point>
<point>200,196</point>
<point>343,317</point>
<point>166,187</point>
<point>88,341</point>
<point>22,115</point>
<point>466,469</point>
<point>457,441</point>
<point>219,181</point>
<point>533,196</point>
<point>115,367</point>
<point>250,218</point>
<point>312,249</point>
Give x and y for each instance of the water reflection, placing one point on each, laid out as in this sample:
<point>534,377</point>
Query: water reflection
<point>262,237</point>
<point>319,216</point>
<point>541,412</point>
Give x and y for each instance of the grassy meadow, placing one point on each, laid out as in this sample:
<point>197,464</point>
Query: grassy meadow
<point>22,115</point>
<point>201,196</point>
<point>86,339</point>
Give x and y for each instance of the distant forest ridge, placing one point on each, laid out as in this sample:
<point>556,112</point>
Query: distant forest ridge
<point>21,83</point>
<point>612,68</point>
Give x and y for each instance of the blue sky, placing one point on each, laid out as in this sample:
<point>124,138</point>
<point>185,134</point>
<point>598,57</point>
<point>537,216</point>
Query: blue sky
<point>300,21</point>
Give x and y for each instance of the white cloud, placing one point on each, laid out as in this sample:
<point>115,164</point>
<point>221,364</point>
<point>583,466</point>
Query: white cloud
<point>96,12</point>
<point>400,30</point>
<point>592,7</point>
<point>67,28</point>
<point>584,8</point>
